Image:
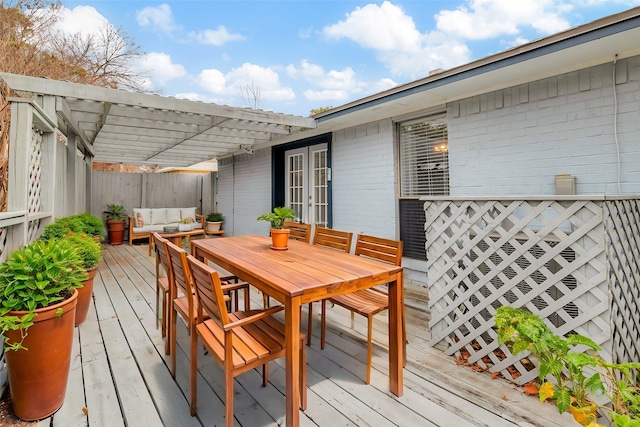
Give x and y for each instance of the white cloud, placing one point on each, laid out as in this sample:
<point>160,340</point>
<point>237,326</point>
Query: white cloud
<point>483,19</point>
<point>81,19</point>
<point>215,37</point>
<point>384,27</point>
<point>235,83</point>
<point>160,17</point>
<point>333,85</point>
<point>159,67</point>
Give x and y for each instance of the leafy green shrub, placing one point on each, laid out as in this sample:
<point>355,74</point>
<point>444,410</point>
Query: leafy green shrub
<point>73,223</point>
<point>92,225</point>
<point>214,217</point>
<point>55,230</point>
<point>89,250</point>
<point>37,276</point>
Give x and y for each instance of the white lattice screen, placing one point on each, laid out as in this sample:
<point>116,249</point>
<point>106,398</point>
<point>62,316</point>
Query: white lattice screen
<point>35,175</point>
<point>549,256</point>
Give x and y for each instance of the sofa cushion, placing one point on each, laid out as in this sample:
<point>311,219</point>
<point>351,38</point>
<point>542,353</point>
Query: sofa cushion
<point>188,212</point>
<point>141,216</point>
<point>148,228</point>
<point>173,215</point>
<point>158,216</point>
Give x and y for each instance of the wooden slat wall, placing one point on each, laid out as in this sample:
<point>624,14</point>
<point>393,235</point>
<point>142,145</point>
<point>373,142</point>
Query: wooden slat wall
<point>135,190</point>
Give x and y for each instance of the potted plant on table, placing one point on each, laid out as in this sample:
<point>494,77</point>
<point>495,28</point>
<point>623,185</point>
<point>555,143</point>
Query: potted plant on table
<point>37,314</point>
<point>116,216</point>
<point>279,235</point>
<point>185,224</point>
<point>214,221</point>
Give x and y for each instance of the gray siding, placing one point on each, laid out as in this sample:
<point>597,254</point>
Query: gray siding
<point>513,141</point>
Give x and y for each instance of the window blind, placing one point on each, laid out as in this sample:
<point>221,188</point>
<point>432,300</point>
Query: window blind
<point>424,157</point>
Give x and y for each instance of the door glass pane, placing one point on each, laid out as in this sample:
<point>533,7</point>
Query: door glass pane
<point>295,183</point>
<point>320,188</point>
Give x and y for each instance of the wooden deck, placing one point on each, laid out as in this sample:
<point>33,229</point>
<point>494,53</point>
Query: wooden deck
<point>120,375</point>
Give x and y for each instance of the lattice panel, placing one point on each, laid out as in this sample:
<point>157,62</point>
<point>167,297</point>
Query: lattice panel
<point>35,176</point>
<point>622,224</point>
<point>3,243</point>
<point>545,255</point>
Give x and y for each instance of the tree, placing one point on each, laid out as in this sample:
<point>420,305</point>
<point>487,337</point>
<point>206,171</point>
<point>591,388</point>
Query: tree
<point>31,45</point>
<point>319,110</point>
<point>251,96</point>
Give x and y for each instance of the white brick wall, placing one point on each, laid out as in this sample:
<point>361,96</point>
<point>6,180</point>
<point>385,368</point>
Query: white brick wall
<point>251,182</point>
<point>513,141</point>
<point>364,180</point>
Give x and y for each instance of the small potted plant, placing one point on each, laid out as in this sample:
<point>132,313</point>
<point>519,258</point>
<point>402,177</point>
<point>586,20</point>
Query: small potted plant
<point>37,314</point>
<point>214,221</point>
<point>116,216</point>
<point>279,235</point>
<point>185,224</point>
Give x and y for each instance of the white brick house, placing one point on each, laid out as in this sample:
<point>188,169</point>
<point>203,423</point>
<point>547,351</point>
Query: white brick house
<point>508,124</point>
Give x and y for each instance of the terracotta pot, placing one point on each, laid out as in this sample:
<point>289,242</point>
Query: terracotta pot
<point>279,239</point>
<point>584,415</point>
<point>84,296</point>
<point>116,231</point>
<point>213,226</point>
<point>38,376</point>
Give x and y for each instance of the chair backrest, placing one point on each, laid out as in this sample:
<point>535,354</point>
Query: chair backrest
<point>298,230</point>
<point>386,250</point>
<point>181,274</point>
<point>161,252</point>
<point>334,239</point>
<point>209,289</point>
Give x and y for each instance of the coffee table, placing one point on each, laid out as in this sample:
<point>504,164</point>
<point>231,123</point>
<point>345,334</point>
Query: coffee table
<point>176,237</point>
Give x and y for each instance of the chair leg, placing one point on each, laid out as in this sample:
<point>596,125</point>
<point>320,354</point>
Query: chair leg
<point>247,300</point>
<point>353,320</point>
<point>265,300</point>
<point>323,323</point>
<point>309,323</point>
<point>172,341</point>
<point>158,304</point>
<point>228,398</point>
<point>369,348</point>
<point>165,313</point>
<point>265,374</point>
<point>193,372</point>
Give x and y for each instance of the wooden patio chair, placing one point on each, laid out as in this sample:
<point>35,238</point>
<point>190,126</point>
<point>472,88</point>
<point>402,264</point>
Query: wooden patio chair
<point>298,230</point>
<point>333,239</point>
<point>369,302</point>
<point>181,288</point>
<point>238,341</point>
<point>162,283</point>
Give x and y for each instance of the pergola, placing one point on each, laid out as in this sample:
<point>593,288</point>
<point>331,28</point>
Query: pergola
<point>117,126</point>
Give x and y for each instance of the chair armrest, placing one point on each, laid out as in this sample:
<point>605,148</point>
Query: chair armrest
<point>234,286</point>
<point>131,222</point>
<point>253,318</point>
<point>202,220</point>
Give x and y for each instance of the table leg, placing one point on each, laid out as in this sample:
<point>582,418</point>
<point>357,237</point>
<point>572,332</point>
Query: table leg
<point>396,346</point>
<point>292,338</point>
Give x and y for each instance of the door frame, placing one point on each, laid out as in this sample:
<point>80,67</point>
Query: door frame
<point>279,167</point>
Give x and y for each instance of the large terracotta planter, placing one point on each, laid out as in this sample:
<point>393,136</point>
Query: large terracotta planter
<point>84,296</point>
<point>38,376</point>
<point>116,231</point>
<point>280,239</point>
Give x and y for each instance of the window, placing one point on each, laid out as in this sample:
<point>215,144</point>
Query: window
<point>424,171</point>
<point>424,158</point>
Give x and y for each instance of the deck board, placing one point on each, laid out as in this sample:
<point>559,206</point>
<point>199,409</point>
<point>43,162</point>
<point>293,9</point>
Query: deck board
<point>121,365</point>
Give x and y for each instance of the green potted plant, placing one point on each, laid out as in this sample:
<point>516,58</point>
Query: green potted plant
<point>92,225</point>
<point>574,372</point>
<point>37,314</point>
<point>116,216</point>
<point>185,224</point>
<point>214,221</point>
<point>279,235</point>
<point>90,254</point>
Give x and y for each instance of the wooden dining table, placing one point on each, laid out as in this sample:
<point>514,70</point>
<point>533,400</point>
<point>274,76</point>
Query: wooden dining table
<point>305,273</point>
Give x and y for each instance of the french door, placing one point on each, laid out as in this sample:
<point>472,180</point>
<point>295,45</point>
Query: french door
<point>307,184</point>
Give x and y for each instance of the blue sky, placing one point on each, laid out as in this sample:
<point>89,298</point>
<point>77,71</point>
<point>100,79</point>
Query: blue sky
<point>304,54</point>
